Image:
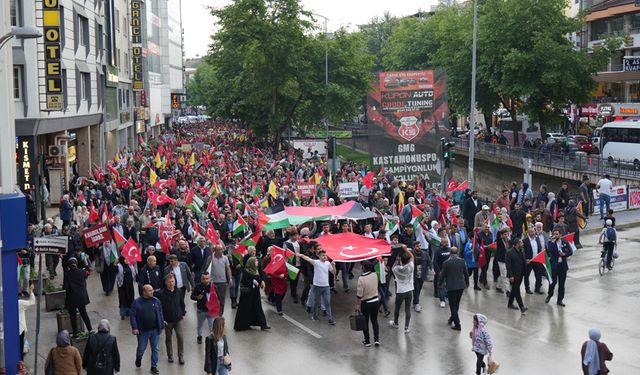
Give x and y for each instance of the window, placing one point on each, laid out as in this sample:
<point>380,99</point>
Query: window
<point>83,31</point>
<point>598,29</point>
<point>617,25</point>
<point>126,63</point>
<point>17,82</point>
<point>62,31</point>
<point>634,23</point>
<point>14,13</point>
<point>99,40</point>
<point>120,99</point>
<point>117,20</point>
<point>85,86</point>
<point>65,92</point>
<point>128,98</point>
<point>116,57</point>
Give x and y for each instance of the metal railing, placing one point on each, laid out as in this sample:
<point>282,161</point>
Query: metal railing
<point>576,161</point>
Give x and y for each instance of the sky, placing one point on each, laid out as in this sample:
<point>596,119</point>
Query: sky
<point>198,24</point>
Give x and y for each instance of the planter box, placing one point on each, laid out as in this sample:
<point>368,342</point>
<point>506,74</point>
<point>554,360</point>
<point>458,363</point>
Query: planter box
<point>64,321</point>
<point>54,300</point>
<point>80,343</point>
<point>34,282</point>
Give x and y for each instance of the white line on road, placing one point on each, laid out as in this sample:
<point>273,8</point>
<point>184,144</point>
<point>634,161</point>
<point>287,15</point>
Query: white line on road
<point>297,324</point>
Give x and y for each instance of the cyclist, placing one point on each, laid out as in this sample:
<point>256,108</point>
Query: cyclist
<point>608,237</point>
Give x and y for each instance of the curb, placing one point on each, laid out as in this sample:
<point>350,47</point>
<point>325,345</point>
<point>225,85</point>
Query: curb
<point>620,226</point>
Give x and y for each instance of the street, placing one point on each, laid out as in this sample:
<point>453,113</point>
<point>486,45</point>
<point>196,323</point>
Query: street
<point>547,339</point>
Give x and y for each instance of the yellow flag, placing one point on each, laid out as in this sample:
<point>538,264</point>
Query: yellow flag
<point>401,198</point>
<point>181,160</point>
<point>152,176</point>
<point>330,182</point>
<point>264,203</point>
<point>317,176</point>
<point>273,189</point>
<point>157,160</point>
<point>192,160</point>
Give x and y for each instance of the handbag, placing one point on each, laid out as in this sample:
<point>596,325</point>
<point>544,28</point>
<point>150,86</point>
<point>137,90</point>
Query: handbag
<point>357,321</point>
<point>493,366</point>
<point>226,360</point>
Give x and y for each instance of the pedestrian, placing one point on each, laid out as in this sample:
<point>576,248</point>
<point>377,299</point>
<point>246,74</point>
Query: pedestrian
<point>501,253</point>
<point>181,273</point>
<point>199,255</point>
<point>456,278</point>
<point>442,254</point>
<point>147,321</point>
<point>481,343</point>
<point>604,187</point>
<point>23,304</point>
<point>532,247</point>
<point>200,294</point>
<point>76,296</point>
<point>101,355</point>
<point>403,273</point>
<point>471,254</point>
<point>66,211</point>
<point>106,267</point>
<point>594,354</point>
<point>421,265</point>
<point>516,266</point>
<point>127,273</point>
<point>279,284</point>
<point>217,360</point>
<point>367,301</point>
<point>173,310</point>
<point>608,239</point>
<point>571,217</point>
<point>64,359</point>
<point>294,245</point>
<point>321,294</point>
<point>559,250</point>
<point>219,268</point>
<point>249,312</point>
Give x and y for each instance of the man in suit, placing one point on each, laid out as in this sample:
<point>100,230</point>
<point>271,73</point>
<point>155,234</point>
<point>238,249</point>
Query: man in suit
<point>130,230</point>
<point>516,265</point>
<point>559,250</point>
<point>182,273</point>
<point>532,247</point>
<point>456,277</point>
<point>199,254</point>
<point>294,245</point>
<point>470,208</point>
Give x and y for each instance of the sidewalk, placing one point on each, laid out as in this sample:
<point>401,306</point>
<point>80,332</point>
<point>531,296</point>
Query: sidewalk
<point>624,219</point>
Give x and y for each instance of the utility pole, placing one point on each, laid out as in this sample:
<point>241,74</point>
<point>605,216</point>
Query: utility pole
<point>472,116</point>
<point>326,68</point>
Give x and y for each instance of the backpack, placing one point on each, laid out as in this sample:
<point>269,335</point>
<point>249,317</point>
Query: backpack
<point>102,357</point>
<point>611,234</point>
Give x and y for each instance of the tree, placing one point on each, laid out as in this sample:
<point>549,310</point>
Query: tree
<point>267,68</point>
<point>412,46</point>
<point>376,36</point>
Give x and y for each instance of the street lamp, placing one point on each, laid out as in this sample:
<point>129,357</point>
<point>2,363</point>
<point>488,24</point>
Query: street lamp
<point>326,65</point>
<point>25,32</point>
<point>472,115</point>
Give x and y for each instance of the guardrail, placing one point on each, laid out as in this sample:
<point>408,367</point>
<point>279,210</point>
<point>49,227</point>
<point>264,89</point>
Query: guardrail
<point>572,161</point>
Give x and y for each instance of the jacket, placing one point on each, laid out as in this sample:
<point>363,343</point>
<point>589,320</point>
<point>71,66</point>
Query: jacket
<point>136,310</point>
<point>211,354</point>
<point>558,257</point>
<point>528,250</point>
<point>471,256</point>
<point>66,210</point>
<point>469,210</point>
<point>198,256</point>
<point>454,274</point>
<point>201,290</point>
<point>173,307</point>
<point>149,276</point>
<point>185,273</point>
<point>95,345</point>
<point>440,255</point>
<point>515,263</point>
<point>501,251</point>
<point>66,360</point>
<point>603,353</point>
<point>75,285</point>
<point>480,338</point>
<point>421,262</point>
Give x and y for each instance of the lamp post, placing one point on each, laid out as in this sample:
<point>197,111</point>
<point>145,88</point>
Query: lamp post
<point>326,65</point>
<point>472,116</point>
<point>25,32</point>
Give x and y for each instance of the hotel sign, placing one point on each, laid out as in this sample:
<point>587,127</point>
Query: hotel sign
<point>136,44</point>
<point>52,65</point>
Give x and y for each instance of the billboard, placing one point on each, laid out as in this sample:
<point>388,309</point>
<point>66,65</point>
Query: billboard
<point>408,114</point>
<point>52,65</point>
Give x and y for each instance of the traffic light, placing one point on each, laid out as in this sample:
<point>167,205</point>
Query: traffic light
<point>447,151</point>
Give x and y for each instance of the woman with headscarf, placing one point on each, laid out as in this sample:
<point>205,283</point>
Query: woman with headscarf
<point>481,343</point>
<point>594,354</point>
<point>249,312</point>
<point>64,359</point>
<point>126,275</point>
<point>571,218</point>
<point>101,355</point>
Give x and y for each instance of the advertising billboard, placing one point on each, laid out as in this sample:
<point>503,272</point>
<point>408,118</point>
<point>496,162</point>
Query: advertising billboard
<point>408,114</point>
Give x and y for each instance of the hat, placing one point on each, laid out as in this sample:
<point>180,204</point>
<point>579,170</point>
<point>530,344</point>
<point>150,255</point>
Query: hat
<point>73,260</point>
<point>485,207</point>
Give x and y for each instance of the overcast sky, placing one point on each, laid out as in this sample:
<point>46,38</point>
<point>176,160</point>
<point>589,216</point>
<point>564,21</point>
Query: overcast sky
<point>199,25</point>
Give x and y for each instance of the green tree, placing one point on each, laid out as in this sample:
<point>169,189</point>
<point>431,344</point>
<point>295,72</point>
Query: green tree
<point>412,46</point>
<point>267,68</point>
<point>376,36</point>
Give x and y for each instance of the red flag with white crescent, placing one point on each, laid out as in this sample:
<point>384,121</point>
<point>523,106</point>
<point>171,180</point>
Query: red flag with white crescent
<point>131,251</point>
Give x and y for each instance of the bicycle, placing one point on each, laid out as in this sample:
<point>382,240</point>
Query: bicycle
<point>602,265</point>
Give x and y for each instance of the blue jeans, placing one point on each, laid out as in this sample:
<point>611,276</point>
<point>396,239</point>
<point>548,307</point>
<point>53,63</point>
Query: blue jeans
<point>312,298</point>
<point>153,337</point>
<point>202,315</point>
<point>233,292</point>
<point>604,199</point>
<point>322,295</point>
<point>124,311</point>
<point>220,369</point>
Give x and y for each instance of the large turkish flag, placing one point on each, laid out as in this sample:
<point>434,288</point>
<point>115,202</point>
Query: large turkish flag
<point>351,247</point>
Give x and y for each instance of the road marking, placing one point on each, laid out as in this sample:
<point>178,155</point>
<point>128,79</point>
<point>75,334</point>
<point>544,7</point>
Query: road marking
<point>297,324</point>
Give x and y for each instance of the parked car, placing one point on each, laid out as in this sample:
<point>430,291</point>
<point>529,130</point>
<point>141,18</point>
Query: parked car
<point>554,137</point>
<point>583,143</point>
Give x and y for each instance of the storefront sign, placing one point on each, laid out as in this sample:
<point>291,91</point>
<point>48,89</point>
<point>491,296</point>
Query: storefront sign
<point>618,197</point>
<point>136,44</point>
<point>634,197</point>
<point>307,190</point>
<point>94,236</point>
<point>606,110</point>
<point>628,111</point>
<point>52,66</point>
<point>175,101</point>
<point>588,110</point>
<point>27,163</point>
<point>348,190</point>
<point>631,64</point>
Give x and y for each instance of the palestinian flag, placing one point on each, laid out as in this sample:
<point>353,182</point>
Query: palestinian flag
<point>21,268</point>
<point>390,229</point>
<point>113,252</point>
<point>569,238</point>
<point>194,202</point>
<point>118,238</point>
<point>250,240</point>
<point>292,271</point>
<point>240,225</point>
<point>416,216</point>
<point>81,200</point>
<point>543,258</point>
<point>381,172</point>
<point>256,190</point>
<point>493,248</point>
<point>381,271</point>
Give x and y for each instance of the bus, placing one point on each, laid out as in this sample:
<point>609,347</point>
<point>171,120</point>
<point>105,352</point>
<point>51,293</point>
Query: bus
<point>620,140</point>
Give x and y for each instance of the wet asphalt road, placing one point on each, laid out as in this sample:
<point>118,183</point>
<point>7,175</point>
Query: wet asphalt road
<point>546,340</point>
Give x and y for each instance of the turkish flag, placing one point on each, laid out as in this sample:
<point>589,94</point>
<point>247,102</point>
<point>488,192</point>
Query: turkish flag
<point>351,247</point>
<point>212,235</point>
<point>131,251</point>
<point>278,261</point>
<point>213,303</point>
<point>451,186</point>
<point>482,258</point>
<point>166,233</point>
<point>368,180</point>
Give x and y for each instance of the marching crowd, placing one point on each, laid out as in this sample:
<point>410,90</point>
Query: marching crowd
<point>186,214</point>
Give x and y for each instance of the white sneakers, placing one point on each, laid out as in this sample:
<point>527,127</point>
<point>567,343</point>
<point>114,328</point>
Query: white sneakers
<point>417,307</point>
<point>442,304</point>
<point>407,330</point>
<point>393,325</point>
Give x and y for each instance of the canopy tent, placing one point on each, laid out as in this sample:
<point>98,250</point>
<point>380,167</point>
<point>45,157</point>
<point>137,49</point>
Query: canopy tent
<point>297,215</point>
<point>351,247</point>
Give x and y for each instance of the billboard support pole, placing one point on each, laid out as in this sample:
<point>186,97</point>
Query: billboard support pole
<point>472,119</point>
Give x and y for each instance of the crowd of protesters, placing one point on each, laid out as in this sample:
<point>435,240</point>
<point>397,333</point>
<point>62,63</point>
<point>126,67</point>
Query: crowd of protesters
<point>194,203</point>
